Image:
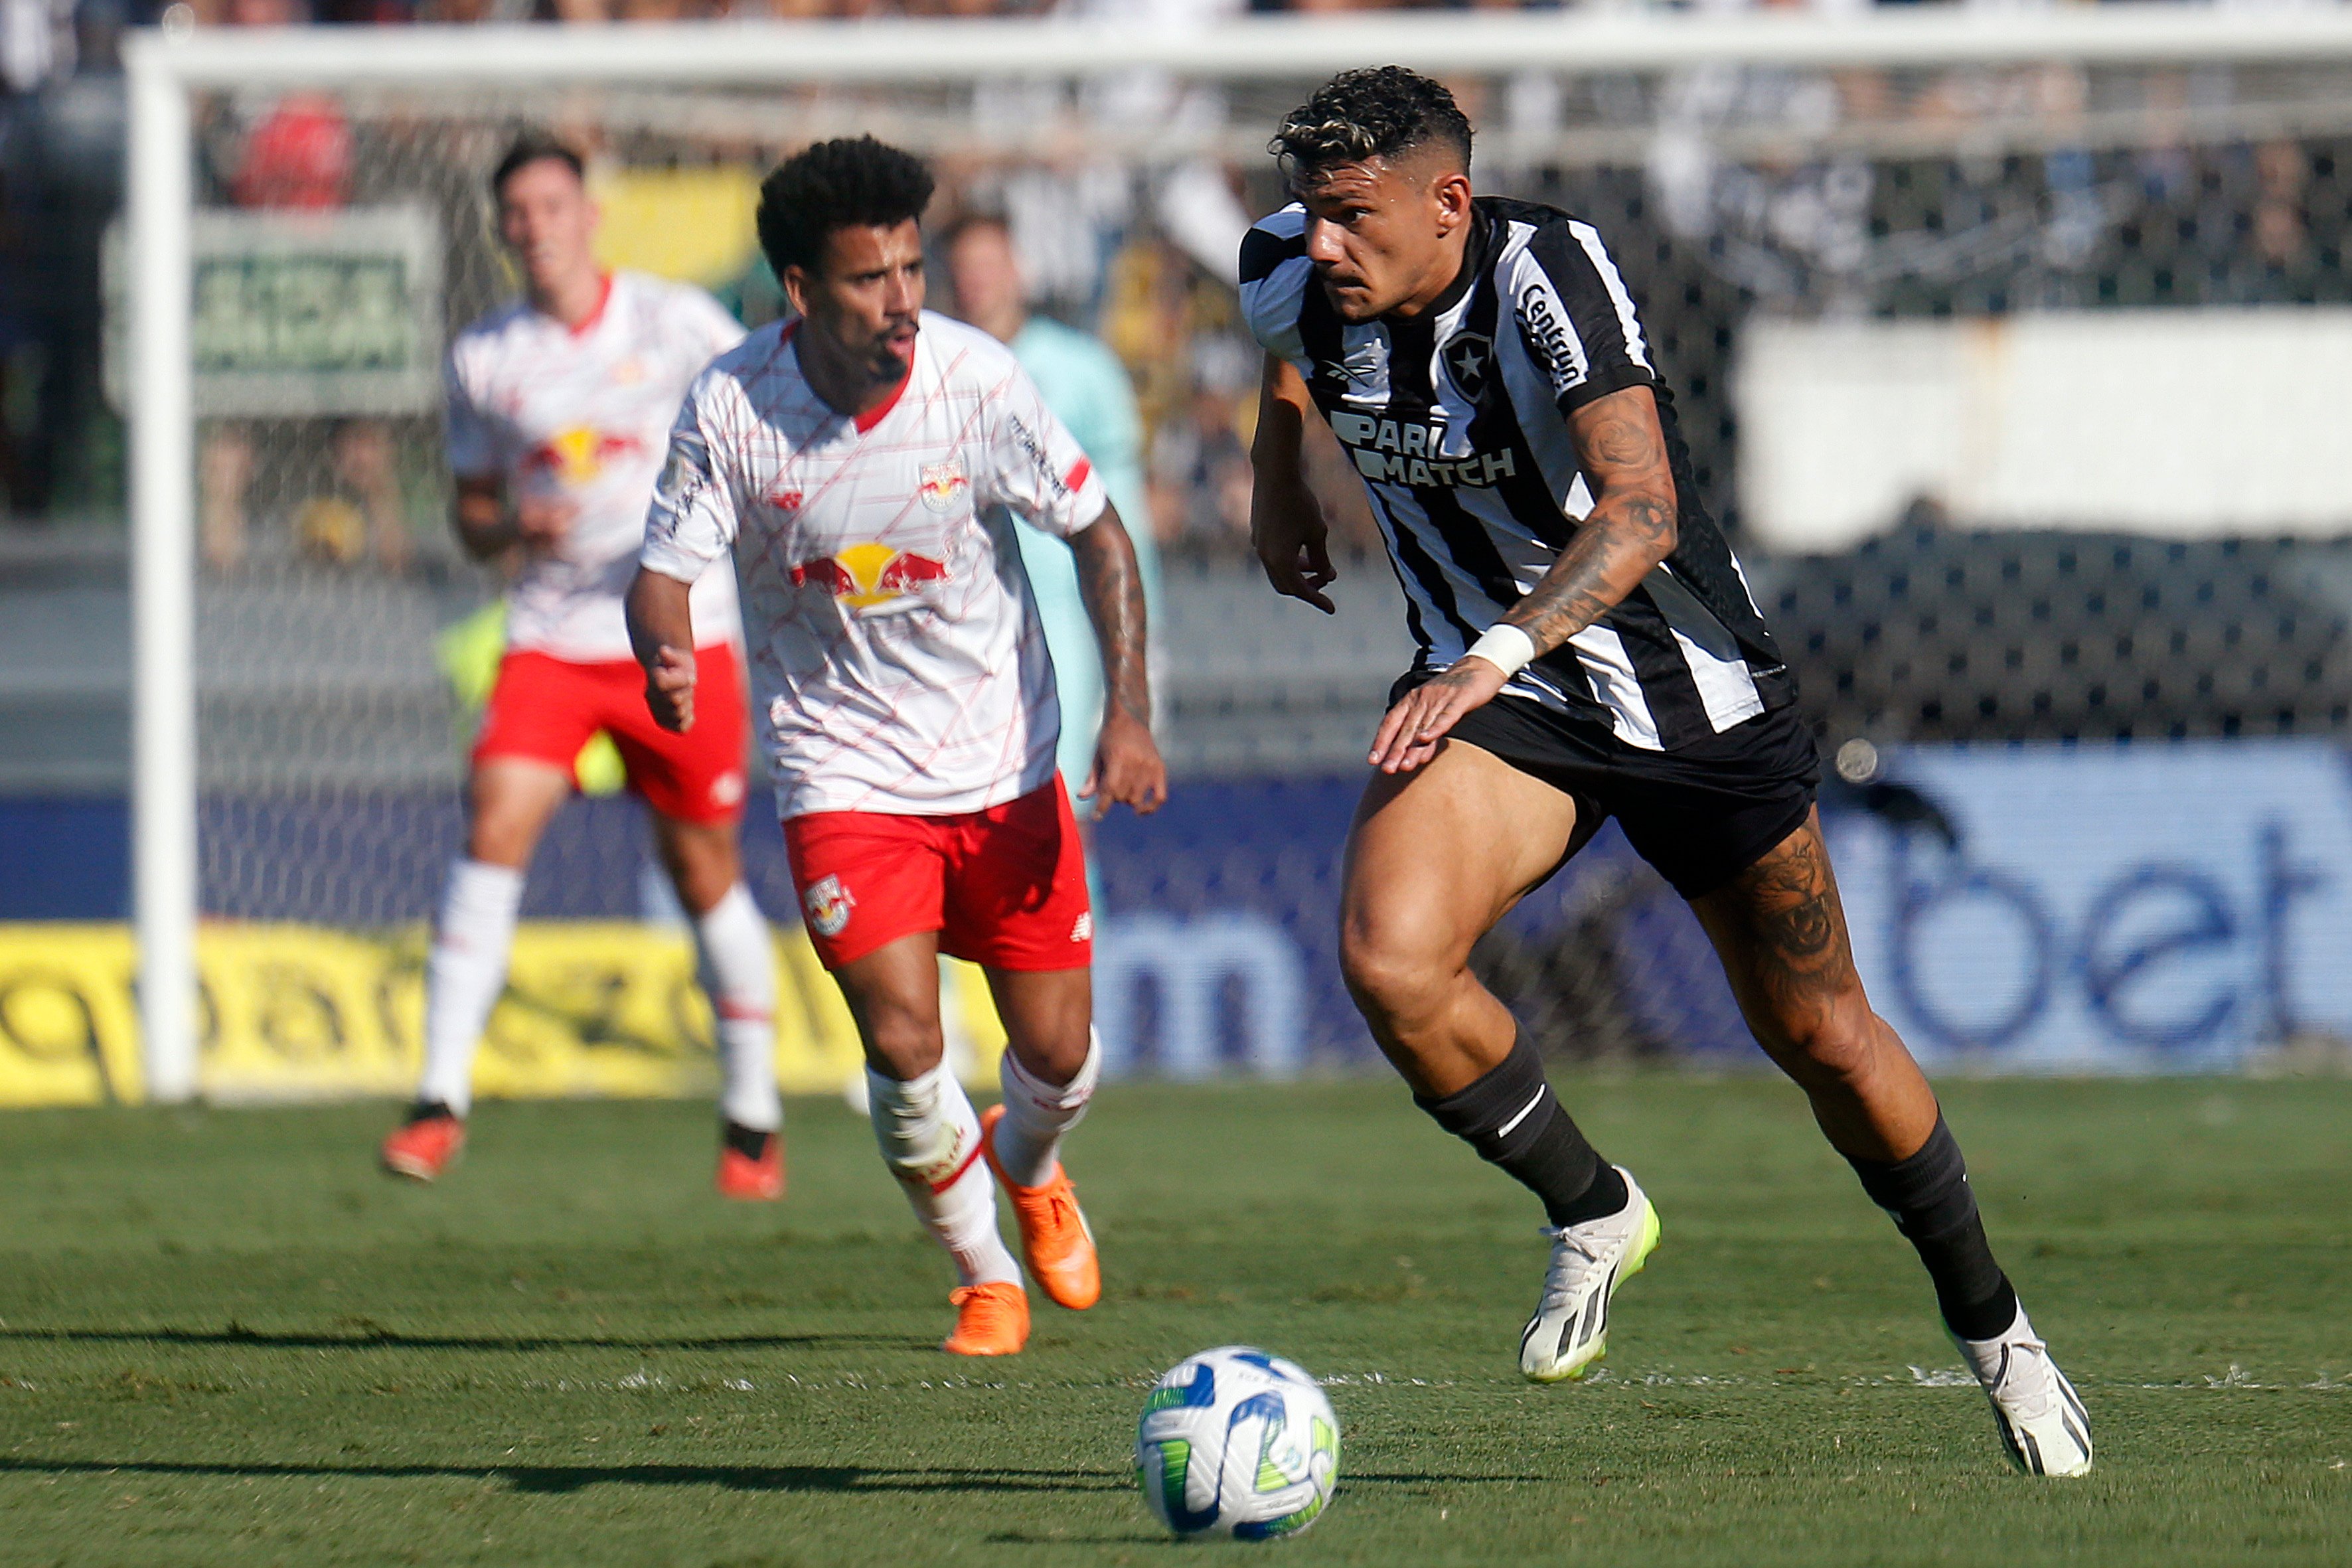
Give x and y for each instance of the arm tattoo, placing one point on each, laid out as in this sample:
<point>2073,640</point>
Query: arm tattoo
<point>1631,527</point>
<point>1112,586</point>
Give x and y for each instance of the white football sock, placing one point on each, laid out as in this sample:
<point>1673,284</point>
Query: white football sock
<point>464,975</point>
<point>739,974</point>
<point>931,1140</point>
<point>1036,1115</point>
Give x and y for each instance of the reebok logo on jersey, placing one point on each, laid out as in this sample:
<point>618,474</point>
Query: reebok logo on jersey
<point>828,904</point>
<point>1403,452</point>
<point>1546,324</point>
<point>871,578</point>
<point>786,501</point>
<point>1365,365</point>
<point>943,484</point>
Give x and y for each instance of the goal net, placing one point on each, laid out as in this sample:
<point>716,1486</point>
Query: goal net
<point>323,201</point>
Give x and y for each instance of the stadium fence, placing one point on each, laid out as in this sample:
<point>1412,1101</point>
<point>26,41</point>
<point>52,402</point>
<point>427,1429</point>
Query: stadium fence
<point>298,694</point>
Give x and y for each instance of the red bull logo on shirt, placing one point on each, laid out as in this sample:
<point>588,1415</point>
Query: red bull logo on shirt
<point>578,455</point>
<point>867,576</point>
<point>943,484</point>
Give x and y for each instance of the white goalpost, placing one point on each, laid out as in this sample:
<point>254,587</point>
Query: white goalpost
<point>924,76</point>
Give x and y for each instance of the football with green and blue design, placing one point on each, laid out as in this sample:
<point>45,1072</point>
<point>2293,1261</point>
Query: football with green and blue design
<point>1238,1443</point>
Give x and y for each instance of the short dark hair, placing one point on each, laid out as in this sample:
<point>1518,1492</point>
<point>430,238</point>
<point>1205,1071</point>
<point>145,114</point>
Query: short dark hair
<point>1379,111</point>
<point>972,223</point>
<point>529,148</point>
<point>847,183</point>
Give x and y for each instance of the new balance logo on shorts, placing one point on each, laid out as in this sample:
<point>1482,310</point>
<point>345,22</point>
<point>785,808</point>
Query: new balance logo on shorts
<point>1083,927</point>
<point>828,904</point>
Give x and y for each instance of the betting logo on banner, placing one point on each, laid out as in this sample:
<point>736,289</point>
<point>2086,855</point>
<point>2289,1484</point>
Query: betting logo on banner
<point>2119,908</point>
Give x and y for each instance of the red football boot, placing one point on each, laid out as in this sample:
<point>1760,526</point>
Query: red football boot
<point>991,1320</point>
<point>751,1165</point>
<point>426,1144</point>
<point>1056,1241</point>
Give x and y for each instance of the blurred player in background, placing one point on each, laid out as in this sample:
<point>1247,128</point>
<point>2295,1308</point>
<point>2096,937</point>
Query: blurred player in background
<point>1088,391</point>
<point>560,407</point>
<point>863,463</point>
<point>1588,648</point>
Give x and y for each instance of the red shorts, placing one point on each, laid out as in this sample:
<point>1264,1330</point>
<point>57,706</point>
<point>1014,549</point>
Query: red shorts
<point>1005,887</point>
<point>545,708</point>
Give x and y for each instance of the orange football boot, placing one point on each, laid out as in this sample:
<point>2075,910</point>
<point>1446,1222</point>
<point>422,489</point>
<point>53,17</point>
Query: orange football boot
<point>1055,1243</point>
<point>991,1320</point>
<point>425,1146</point>
<point>751,1178</point>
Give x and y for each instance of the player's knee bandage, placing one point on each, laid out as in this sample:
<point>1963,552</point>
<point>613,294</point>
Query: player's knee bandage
<point>1514,1122</point>
<point>1928,1197</point>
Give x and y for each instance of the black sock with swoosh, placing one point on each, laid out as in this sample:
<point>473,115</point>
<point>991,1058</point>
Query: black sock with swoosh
<point>1514,1122</point>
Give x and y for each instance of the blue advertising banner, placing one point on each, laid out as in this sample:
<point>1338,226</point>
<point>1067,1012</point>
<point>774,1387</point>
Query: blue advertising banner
<point>2129,908</point>
<point>2161,907</point>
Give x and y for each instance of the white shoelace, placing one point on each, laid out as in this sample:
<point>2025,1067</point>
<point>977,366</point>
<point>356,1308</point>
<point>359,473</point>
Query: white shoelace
<point>1568,1274</point>
<point>2042,1379</point>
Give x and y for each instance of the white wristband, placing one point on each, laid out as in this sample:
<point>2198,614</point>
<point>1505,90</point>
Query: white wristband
<point>1505,647</point>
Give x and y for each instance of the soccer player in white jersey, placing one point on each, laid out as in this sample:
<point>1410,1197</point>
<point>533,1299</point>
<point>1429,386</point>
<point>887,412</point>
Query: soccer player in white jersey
<point>863,463</point>
<point>559,412</point>
<point>1588,649</point>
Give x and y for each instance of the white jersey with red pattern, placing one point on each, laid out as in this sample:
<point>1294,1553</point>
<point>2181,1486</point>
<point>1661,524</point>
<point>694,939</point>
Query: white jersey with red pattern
<point>583,415</point>
<point>896,654</point>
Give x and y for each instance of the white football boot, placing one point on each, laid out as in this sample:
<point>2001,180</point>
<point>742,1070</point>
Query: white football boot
<point>1570,1328</point>
<point>2041,1420</point>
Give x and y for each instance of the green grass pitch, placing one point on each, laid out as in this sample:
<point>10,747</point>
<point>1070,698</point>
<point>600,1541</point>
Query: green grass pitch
<point>224,1339</point>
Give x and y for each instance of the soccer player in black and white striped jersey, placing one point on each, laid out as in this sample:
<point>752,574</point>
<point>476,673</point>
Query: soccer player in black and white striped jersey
<point>1588,648</point>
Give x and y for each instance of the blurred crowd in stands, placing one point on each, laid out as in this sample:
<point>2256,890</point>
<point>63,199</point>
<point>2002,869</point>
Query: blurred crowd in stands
<point>1965,191</point>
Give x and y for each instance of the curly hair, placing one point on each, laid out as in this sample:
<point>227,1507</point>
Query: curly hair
<point>847,183</point>
<point>1380,111</point>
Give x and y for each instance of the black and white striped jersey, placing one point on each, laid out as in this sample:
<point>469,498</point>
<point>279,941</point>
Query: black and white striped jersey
<point>1457,421</point>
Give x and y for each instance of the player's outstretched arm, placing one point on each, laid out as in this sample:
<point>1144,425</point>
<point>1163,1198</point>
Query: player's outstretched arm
<point>1286,524</point>
<point>661,634</point>
<point>1632,527</point>
<point>1126,760</point>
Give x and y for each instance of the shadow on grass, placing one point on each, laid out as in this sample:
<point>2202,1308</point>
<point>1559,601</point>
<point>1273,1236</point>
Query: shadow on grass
<point>1149,1537</point>
<point>563,1478</point>
<point>1348,1479</point>
<point>371,1336</point>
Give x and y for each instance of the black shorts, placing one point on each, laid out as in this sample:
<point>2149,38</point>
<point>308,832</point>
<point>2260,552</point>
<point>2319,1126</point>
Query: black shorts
<point>1701,815</point>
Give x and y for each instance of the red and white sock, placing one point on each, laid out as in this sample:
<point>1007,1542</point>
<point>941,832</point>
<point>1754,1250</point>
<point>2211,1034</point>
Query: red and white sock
<point>463,975</point>
<point>1037,1114</point>
<point>931,1140</point>
<point>739,974</point>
